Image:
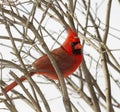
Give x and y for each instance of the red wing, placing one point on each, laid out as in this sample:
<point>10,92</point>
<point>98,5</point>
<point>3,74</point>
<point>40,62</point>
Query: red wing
<point>64,60</point>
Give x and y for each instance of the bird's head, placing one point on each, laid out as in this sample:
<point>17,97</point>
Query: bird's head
<point>72,43</point>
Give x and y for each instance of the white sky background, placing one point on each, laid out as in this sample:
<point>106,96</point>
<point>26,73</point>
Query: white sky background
<point>48,89</point>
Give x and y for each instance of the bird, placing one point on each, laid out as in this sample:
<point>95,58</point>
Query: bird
<point>68,57</point>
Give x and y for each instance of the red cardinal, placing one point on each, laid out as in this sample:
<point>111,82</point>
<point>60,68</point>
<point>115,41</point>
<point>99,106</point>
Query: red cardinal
<point>68,57</point>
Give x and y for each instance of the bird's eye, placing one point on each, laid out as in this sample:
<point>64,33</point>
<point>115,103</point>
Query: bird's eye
<point>74,50</point>
<point>72,44</point>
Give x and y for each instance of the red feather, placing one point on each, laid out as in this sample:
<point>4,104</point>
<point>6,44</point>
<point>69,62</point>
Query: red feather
<point>68,57</point>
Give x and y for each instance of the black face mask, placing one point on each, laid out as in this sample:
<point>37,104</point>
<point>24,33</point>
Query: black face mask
<point>75,51</point>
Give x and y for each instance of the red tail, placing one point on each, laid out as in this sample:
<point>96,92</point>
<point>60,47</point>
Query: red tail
<point>13,84</point>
